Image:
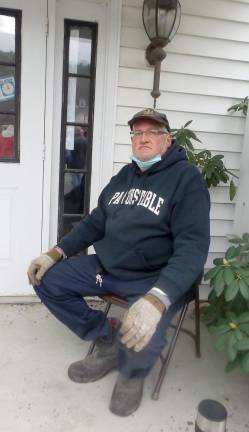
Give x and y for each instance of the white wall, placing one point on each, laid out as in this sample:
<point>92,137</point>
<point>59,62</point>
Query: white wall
<point>205,72</point>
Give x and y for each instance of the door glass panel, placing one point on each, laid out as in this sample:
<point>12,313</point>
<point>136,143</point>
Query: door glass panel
<point>7,39</point>
<point>74,186</point>
<point>78,100</point>
<point>7,136</point>
<point>68,223</point>
<point>80,47</point>
<point>76,147</point>
<point>7,89</point>
<point>10,83</point>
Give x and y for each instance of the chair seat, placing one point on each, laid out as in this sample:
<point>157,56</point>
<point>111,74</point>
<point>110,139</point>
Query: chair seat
<point>112,299</point>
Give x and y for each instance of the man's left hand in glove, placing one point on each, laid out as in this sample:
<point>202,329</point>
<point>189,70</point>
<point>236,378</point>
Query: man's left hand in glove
<point>140,322</point>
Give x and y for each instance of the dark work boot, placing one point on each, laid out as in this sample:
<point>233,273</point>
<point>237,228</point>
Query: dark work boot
<point>126,395</point>
<point>96,365</point>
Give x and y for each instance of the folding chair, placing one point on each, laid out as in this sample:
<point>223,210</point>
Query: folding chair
<point>111,299</point>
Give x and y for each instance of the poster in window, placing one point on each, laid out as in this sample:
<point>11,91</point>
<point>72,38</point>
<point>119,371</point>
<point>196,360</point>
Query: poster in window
<point>7,88</point>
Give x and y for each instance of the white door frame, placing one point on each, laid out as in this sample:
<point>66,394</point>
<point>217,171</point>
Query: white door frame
<point>104,116</point>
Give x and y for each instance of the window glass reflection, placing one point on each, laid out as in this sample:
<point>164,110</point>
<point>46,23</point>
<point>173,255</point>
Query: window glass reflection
<point>7,39</point>
<point>78,100</point>
<point>76,147</point>
<point>7,89</point>
<point>74,185</point>
<point>80,46</point>
<point>68,224</point>
<point>7,136</point>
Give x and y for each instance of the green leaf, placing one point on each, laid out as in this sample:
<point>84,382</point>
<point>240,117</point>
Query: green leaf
<point>187,124</point>
<point>244,328</point>
<point>218,261</point>
<point>245,237</point>
<point>219,283</point>
<point>232,190</point>
<point>231,291</point>
<point>236,265</point>
<point>189,144</point>
<point>241,106</point>
<point>191,157</point>
<point>243,318</point>
<point>220,329</point>
<point>218,157</point>
<point>196,139</point>
<point>244,289</point>
<point>235,240</point>
<point>243,345</point>
<point>211,273</point>
<point>221,343</point>
<point>245,363</point>
<point>228,275</point>
<point>231,253</point>
<point>245,273</point>
<point>224,177</point>
<point>209,172</point>
<point>231,316</point>
<point>208,153</point>
<point>238,334</point>
<point>233,364</point>
<point>212,296</point>
<point>233,108</point>
<point>193,136</point>
<point>231,347</point>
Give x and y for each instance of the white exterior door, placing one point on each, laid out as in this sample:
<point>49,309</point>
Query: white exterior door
<point>21,183</point>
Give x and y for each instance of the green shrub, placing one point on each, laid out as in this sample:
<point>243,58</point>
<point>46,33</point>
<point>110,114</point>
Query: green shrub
<point>211,167</point>
<point>227,314</point>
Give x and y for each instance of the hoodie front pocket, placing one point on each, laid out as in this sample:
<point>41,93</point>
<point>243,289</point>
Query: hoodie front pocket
<point>144,260</point>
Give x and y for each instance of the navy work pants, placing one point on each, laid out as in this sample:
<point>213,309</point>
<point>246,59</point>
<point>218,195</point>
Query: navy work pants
<point>63,289</point>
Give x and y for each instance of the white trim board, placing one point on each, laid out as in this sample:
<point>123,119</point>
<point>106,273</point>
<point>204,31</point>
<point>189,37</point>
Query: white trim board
<point>241,220</point>
<point>104,114</point>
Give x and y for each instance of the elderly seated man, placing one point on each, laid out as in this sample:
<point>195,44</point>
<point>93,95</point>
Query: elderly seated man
<point>150,231</point>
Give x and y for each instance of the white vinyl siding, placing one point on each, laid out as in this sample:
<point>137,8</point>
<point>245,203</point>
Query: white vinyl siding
<point>205,72</point>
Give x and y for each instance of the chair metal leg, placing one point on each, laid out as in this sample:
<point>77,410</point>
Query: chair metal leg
<point>106,311</point>
<point>167,358</point>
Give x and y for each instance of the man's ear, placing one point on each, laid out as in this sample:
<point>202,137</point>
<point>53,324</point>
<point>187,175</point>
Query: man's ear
<point>168,140</point>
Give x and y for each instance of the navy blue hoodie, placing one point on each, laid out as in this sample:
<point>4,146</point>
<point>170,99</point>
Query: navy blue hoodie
<point>151,223</point>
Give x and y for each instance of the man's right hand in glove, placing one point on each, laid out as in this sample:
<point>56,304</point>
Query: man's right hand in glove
<point>39,266</point>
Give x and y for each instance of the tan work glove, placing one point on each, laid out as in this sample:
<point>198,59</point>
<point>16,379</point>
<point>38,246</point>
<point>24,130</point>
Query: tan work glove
<point>140,322</point>
<point>40,265</point>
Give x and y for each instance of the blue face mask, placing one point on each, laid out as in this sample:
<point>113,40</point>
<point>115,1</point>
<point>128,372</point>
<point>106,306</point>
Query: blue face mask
<point>144,165</point>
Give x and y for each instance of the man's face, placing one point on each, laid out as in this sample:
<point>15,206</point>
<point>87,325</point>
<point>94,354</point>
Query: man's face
<point>145,146</point>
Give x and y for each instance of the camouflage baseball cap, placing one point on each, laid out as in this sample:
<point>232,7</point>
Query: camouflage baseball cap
<point>150,114</point>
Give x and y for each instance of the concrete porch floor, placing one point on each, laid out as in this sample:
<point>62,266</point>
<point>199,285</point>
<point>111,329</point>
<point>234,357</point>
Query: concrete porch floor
<point>36,394</point>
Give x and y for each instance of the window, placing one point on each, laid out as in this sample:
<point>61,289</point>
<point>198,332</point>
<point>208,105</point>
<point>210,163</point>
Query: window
<point>80,39</point>
<point>10,65</point>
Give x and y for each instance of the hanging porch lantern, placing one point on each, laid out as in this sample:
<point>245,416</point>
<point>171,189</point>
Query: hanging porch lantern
<point>161,19</point>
